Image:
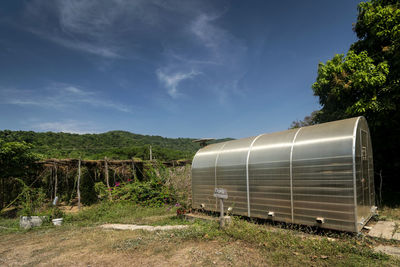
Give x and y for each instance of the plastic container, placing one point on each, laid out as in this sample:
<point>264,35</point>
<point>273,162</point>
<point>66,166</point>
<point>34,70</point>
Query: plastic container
<point>57,221</point>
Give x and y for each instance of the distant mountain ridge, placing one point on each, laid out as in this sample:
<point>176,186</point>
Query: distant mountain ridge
<point>113,144</point>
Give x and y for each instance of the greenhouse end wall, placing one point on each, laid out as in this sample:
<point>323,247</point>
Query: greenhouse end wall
<point>300,176</point>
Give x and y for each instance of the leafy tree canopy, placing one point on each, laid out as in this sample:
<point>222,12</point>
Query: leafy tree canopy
<point>15,157</point>
<point>114,145</point>
<point>367,81</point>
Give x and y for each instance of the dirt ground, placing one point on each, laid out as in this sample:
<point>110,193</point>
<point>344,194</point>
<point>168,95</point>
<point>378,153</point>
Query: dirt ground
<point>98,247</point>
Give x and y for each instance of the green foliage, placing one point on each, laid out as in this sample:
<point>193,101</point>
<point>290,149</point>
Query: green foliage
<point>54,212</point>
<point>16,160</point>
<point>87,188</point>
<point>367,82</point>
<point>151,192</point>
<point>31,200</point>
<point>114,145</point>
<point>118,212</point>
<point>15,157</point>
<point>308,120</point>
<point>350,86</point>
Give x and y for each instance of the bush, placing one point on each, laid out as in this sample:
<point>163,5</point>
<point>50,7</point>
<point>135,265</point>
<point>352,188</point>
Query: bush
<point>31,200</point>
<point>152,192</point>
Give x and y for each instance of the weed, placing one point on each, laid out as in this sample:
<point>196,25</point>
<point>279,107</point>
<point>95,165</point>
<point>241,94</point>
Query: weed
<point>129,244</point>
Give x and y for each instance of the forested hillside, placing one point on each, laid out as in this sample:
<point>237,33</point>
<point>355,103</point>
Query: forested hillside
<point>113,144</point>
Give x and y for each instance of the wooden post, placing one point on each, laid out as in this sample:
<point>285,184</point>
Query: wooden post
<point>79,181</point>
<point>66,178</point>
<point>107,178</point>
<point>133,170</point>
<point>55,180</point>
<point>221,215</point>
<point>151,154</point>
<point>51,184</point>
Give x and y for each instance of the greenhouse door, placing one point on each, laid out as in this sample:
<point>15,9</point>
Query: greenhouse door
<point>365,182</point>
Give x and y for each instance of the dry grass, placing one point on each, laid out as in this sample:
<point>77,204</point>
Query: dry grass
<point>202,244</point>
<point>389,213</point>
<point>96,247</point>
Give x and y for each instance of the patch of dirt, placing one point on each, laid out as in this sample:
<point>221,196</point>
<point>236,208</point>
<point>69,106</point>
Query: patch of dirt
<point>69,209</point>
<point>133,227</point>
<point>96,247</point>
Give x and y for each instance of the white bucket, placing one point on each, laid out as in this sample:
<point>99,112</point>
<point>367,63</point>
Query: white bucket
<point>58,221</point>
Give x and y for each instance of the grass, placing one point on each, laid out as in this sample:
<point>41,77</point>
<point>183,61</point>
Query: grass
<point>203,243</point>
<point>392,213</point>
<point>391,208</point>
<point>121,212</point>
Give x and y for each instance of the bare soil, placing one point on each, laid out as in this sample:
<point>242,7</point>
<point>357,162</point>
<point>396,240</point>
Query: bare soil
<point>98,247</point>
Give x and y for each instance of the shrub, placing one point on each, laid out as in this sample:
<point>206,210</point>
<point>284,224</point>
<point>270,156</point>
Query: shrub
<point>152,192</point>
<point>31,200</point>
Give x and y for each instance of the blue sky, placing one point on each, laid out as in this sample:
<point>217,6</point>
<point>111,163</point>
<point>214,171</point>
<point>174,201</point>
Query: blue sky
<point>171,68</point>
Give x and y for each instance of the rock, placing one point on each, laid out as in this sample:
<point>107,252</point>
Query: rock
<point>27,222</point>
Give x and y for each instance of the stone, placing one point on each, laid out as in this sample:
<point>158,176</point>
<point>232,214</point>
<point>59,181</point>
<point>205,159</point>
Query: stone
<point>27,222</point>
<point>394,251</point>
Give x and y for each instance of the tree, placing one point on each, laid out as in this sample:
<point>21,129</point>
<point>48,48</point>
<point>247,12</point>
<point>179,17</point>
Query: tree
<point>308,120</point>
<point>367,82</point>
<point>16,160</point>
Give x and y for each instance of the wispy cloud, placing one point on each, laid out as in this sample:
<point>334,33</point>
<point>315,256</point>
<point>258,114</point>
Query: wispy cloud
<point>68,126</point>
<point>219,56</point>
<point>190,33</point>
<point>107,28</point>
<point>171,81</point>
<point>58,96</point>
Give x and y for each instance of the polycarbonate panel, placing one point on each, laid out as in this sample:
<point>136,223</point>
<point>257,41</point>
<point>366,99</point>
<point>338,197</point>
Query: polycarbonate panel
<point>299,175</point>
<point>231,174</point>
<point>203,177</point>
<point>322,165</point>
<point>269,176</point>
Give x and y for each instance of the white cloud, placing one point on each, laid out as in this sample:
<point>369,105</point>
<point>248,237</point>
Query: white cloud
<point>209,34</point>
<point>69,126</point>
<point>171,81</point>
<point>219,57</point>
<point>188,31</point>
<point>59,96</point>
<point>107,28</point>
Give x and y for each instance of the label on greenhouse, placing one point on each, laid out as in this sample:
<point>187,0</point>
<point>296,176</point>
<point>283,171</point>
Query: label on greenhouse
<point>221,193</point>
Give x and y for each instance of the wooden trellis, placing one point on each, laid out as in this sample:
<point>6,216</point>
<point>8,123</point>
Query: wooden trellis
<point>120,168</point>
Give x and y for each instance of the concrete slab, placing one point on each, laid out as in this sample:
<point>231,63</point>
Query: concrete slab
<point>394,251</point>
<point>383,229</point>
<point>142,227</point>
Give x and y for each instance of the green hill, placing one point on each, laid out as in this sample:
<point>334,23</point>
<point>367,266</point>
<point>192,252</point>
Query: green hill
<point>113,144</point>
